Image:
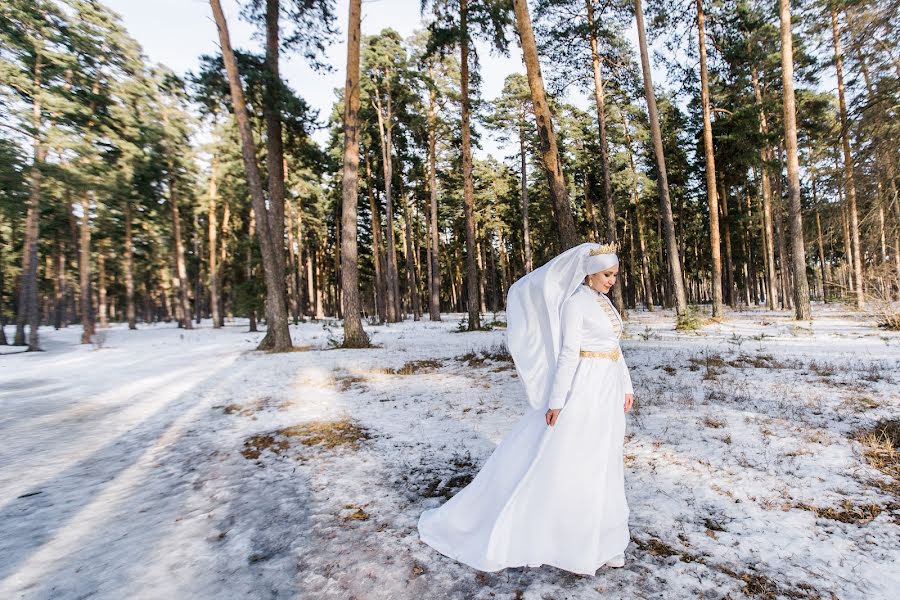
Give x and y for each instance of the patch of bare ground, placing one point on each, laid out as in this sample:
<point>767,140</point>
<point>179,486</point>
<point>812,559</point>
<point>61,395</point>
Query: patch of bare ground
<point>251,408</point>
<point>456,474</point>
<point>756,585</point>
<point>324,434</point>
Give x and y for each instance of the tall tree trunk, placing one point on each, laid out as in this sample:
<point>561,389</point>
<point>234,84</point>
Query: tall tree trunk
<point>61,285</point>
<point>600,100</point>
<point>293,260</point>
<point>377,254</point>
<point>766,185</point>
<point>130,312</point>
<point>84,270</point>
<point>468,185</point>
<point>434,271</point>
<point>27,310</point>
<point>849,181</point>
<point>197,244</point>
<point>803,311</point>
<point>594,231</point>
<point>274,278</point>
<point>354,334</point>
<point>101,285</point>
<point>639,223</point>
<point>523,176</point>
<point>385,126</point>
<point>711,189</point>
<point>665,204</point>
<point>559,196</point>
<point>778,211</point>
<point>213,249</point>
<point>181,280</point>
<point>728,274</point>
<point>826,276</point>
<point>412,279</point>
<point>223,250</point>
<point>274,160</point>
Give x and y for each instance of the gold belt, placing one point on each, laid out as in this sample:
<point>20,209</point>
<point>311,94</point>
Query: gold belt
<point>610,354</point>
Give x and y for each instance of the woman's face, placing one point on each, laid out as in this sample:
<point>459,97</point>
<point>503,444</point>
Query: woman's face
<point>604,280</point>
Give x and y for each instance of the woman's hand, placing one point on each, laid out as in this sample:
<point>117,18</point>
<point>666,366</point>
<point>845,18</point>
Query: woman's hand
<point>629,401</point>
<point>551,416</point>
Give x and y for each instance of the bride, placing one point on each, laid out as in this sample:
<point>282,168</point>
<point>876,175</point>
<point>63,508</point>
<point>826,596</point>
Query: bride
<point>553,490</point>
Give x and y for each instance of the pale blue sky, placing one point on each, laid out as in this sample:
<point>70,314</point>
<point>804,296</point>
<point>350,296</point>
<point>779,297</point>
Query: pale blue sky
<point>176,32</point>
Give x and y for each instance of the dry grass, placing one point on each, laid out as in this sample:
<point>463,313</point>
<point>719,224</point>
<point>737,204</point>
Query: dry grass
<point>881,444</point>
<point>848,513</point>
<point>477,358</point>
<point>357,515</point>
<point>417,366</point>
<point>756,585</point>
<point>713,422</point>
<point>251,408</point>
<point>325,434</point>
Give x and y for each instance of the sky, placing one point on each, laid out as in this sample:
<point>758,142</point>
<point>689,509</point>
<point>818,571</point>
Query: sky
<point>177,32</point>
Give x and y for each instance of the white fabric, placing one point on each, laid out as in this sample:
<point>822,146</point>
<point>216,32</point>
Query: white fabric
<point>600,262</point>
<point>533,312</point>
<point>551,495</point>
<point>589,322</point>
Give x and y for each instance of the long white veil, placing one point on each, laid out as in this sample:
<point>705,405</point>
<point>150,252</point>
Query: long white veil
<point>533,309</point>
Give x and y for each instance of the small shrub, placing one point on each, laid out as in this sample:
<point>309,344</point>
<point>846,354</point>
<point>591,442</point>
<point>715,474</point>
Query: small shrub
<point>689,321</point>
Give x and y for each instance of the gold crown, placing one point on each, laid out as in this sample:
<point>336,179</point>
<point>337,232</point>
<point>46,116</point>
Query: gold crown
<point>609,248</point>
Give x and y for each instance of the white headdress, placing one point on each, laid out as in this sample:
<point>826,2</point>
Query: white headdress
<point>533,310</point>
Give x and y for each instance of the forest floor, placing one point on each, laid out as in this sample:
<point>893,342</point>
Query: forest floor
<point>163,463</point>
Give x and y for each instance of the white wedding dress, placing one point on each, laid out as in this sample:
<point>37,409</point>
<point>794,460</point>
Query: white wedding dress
<point>552,495</point>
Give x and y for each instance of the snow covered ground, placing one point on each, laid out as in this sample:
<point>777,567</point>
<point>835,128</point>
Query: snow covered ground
<point>183,464</point>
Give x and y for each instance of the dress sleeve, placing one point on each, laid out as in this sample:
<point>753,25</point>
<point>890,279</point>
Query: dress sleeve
<point>571,323</point>
<point>625,374</point>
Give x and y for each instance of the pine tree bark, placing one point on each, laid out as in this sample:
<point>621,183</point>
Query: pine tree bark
<point>354,334</point>
<point>212,231</point>
<point>84,270</point>
<point>130,312</point>
<point>101,285</point>
<point>412,278</point>
<point>728,275</point>
<point>27,311</point>
<point>802,308</point>
<point>559,196</point>
<point>523,176</point>
<point>600,100</point>
<point>826,275</point>
<point>181,280</point>
<point>766,186</point>
<point>849,179</point>
<point>474,320</point>
<point>274,279</point>
<point>385,127</point>
<point>377,254</point>
<point>274,156</point>
<point>665,204</point>
<point>639,223</point>
<point>434,271</point>
<point>711,189</point>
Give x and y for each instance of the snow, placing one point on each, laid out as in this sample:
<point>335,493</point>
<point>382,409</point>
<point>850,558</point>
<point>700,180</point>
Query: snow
<point>140,467</point>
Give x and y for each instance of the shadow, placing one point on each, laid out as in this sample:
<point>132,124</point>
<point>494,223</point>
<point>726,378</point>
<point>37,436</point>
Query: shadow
<point>125,495</point>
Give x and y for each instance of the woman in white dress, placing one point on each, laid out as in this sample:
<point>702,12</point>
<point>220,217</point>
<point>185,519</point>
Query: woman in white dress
<point>553,490</point>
